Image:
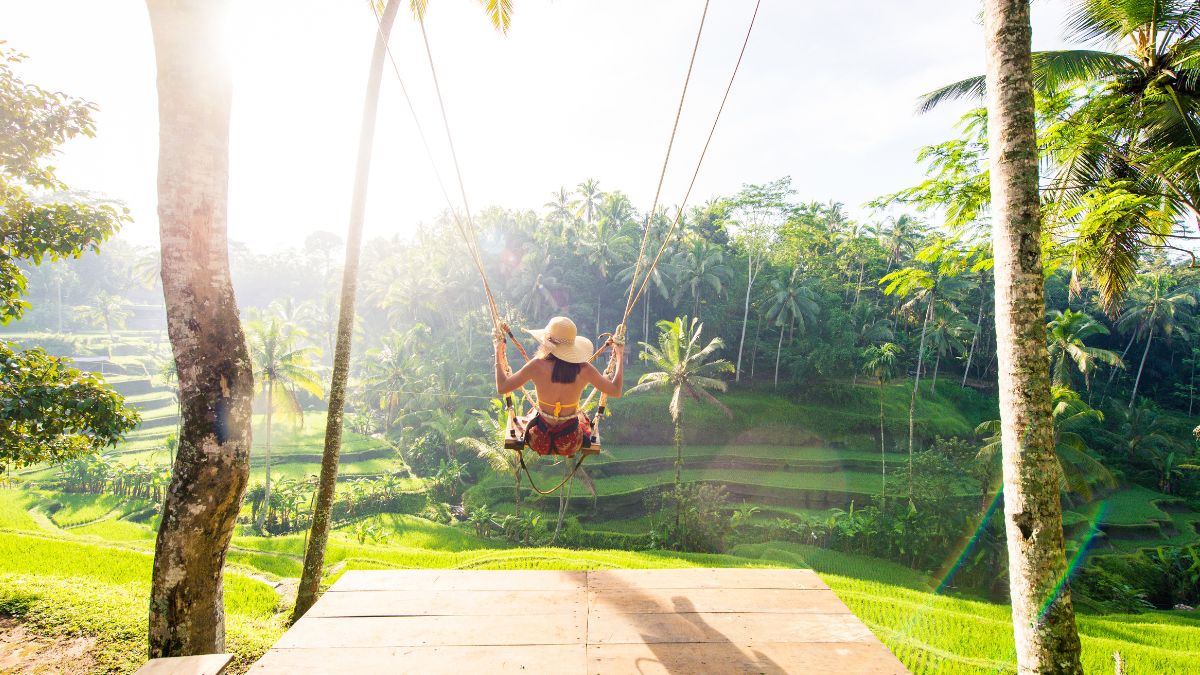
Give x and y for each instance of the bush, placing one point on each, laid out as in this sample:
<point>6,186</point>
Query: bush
<point>693,517</point>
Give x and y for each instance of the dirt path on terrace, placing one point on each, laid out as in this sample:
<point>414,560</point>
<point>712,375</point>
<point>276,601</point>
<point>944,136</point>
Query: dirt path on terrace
<point>24,653</point>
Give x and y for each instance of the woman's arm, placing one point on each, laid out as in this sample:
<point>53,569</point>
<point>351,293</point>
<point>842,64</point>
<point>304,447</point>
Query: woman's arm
<point>506,383</point>
<point>611,388</point>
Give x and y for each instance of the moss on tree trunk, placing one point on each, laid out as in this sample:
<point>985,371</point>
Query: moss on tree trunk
<point>1043,617</point>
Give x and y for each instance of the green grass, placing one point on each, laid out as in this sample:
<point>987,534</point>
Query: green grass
<point>76,509</point>
<point>835,481</point>
<point>621,453</point>
<point>933,633</point>
<point>1135,506</point>
<point>14,510</point>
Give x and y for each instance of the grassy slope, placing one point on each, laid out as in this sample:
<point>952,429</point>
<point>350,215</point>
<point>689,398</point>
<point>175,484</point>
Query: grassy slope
<point>934,633</point>
<point>93,580</point>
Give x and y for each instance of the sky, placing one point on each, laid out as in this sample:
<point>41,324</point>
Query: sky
<point>577,89</point>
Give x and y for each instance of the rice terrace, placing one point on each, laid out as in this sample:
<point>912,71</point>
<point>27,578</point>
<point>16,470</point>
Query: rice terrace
<point>693,336</point>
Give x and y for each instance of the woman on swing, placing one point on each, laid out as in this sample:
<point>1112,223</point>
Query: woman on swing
<point>560,370</point>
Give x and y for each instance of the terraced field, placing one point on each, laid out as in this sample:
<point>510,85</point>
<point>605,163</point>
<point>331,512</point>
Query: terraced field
<point>93,580</point>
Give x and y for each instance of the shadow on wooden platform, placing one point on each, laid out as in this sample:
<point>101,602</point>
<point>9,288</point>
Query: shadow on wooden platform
<point>605,621</point>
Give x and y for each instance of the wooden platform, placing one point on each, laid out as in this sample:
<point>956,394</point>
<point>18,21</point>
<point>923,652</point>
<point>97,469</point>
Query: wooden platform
<point>609,621</point>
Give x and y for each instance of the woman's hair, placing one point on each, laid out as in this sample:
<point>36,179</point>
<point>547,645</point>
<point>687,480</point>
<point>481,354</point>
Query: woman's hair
<point>564,371</point>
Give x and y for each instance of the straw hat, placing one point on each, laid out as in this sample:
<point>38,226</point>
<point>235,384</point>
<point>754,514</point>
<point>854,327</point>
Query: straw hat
<point>563,340</point>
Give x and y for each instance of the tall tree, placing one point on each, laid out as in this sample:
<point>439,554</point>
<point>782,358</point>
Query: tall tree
<point>685,369</point>
<point>589,200</point>
<point>500,12</point>
<point>1066,332</point>
<point>212,465</point>
<point>281,372</point>
<point>792,303</point>
<point>758,212</point>
<point>1155,306</point>
<point>314,553</point>
<point>881,363</point>
<point>1047,640</point>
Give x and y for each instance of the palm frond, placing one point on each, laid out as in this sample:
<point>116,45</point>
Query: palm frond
<point>971,88</point>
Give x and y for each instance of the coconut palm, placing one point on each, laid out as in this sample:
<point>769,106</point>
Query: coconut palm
<point>685,369</point>
<point>500,14</point>
<point>881,363</point>
<point>109,312</point>
<point>699,265</point>
<point>947,336</point>
<point>926,293</point>
<point>560,211</point>
<point>1066,332</point>
<point>1122,161</point>
<point>791,304</point>
<point>604,246</point>
<point>281,372</point>
<point>589,199</point>
<point>490,447</point>
<point>1079,471</point>
<point>1043,616</point>
<point>1155,305</point>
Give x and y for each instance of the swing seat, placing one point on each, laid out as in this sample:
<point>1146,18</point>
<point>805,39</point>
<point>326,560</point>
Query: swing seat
<point>566,438</point>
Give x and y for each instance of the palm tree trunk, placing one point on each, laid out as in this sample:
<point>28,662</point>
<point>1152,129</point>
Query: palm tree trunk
<point>754,348</point>
<point>1113,372</point>
<point>737,374</point>
<point>778,352</point>
<point>1192,382</point>
<point>212,464</point>
<point>678,476</point>
<point>564,497</point>
<point>936,364</point>
<point>517,490</point>
<point>1043,617</point>
<point>912,403</point>
<point>314,554</point>
<point>882,452</point>
<point>1138,380</point>
<point>262,516</point>
<point>975,336</point>
<point>862,262</point>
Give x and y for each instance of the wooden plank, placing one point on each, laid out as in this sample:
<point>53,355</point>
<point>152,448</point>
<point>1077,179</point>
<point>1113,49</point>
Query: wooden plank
<point>749,600</point>
<point>425,660</point>
<point>448,603</point>
<point>697,577</point>
<point>444,580</point>
<point>417,631</point>
<point>203,664</point>
<point>738,628</point>
<point>850,658</point>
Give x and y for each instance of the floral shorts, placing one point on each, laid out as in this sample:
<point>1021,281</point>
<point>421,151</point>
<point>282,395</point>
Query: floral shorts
<point>558,437</point>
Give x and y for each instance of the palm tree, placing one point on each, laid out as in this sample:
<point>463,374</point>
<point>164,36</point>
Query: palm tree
<point>881,364</point>
<point>947,336</point>
<point>560,210</point>
<point>500,12</point>
<point>792,303</point>
<point>589,199</point>
<point>1044,630</point>
<point>212,466</point>
<point>1133,134</point>
<point>685,369</point>
<point>1154,305</point>
<point>699,265</point>
<point>1066,332</point>
<point>924,290</point>
<point>109,312</point>
<point>490,448</point>
<point>603,247</point>
<point>1078,470</point>
<point>281,372</point>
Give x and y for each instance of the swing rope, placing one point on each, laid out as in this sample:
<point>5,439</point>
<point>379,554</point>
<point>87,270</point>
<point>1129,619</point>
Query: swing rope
<point>470,236</point>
